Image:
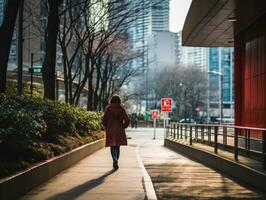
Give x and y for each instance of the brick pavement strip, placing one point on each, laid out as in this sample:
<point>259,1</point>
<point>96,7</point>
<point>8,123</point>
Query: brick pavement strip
<point>93,178</point>
<point>177,177</point>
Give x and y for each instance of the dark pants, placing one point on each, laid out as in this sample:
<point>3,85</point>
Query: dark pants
<point>115,152</point>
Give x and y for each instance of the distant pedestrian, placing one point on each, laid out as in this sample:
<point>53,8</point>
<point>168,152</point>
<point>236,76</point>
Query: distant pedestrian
<point>115,121</point>
<point>134,120</point>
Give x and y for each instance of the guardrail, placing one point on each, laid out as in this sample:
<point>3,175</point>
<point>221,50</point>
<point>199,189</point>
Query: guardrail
<point>237,138</point>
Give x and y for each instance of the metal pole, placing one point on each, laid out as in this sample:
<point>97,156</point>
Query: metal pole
<point>236,144</point>
<point>215,139</point>
<point>221,111</point>
<point>190,136</point>
<point>154,126</point>
<point>57,86</point>
<point>185,105</point>
<point>167,121</point>
<point>20,49</point>
<point>164,124</point>
<point>208,99</point>
<point>31,76</point>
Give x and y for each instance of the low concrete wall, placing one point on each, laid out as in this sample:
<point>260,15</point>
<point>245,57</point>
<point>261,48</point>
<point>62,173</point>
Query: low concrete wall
<point>19,184</point>
<point>234,169</point>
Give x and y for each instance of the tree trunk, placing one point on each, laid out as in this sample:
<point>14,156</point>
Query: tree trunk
<point>96,96</point>
<point>65,78</point>
<point>6,34</point>
<point>50,49</point>
<point>90,91</point>
<point>90,85</point>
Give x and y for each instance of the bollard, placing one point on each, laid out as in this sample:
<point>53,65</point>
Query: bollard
<point>215,139</point>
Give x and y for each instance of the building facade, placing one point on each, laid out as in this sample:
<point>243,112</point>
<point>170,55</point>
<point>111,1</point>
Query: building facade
<point>195,56</point>
<point>163,49</point>
<point>154,16</point>
<point>160,15</point>
<point>220,85</point>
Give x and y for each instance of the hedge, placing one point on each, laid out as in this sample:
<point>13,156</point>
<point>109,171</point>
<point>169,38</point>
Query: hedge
<point>33,129</point>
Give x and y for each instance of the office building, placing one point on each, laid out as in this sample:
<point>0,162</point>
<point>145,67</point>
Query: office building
<point>220,69</point>
<point>160,15</point>
<point>195,56</point>
<point>163,50</point>
<point>153,17</point>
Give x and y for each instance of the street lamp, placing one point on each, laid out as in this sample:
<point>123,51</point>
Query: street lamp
<point>221,92</point>
<point>185,94</point>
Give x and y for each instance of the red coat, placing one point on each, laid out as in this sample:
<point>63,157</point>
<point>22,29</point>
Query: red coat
<point>115,121</point>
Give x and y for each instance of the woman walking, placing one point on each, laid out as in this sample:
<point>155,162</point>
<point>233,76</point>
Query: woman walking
<point>115,121</point>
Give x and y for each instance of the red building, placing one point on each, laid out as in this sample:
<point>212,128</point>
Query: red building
<point>242,24</point>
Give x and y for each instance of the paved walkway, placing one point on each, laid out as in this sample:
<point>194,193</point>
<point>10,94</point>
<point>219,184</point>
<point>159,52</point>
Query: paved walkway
<point>92,178</point>
<point>177,177</point>
<point>173,176</point>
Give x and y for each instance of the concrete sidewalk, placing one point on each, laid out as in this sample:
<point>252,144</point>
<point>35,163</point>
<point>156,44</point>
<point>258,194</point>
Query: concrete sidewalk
<point>93,178</point>
<point>177,177</point>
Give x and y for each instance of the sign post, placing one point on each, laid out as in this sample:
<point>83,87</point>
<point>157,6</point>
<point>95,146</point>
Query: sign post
<point>31,74</point>
<point>33,70</point>
<point>155,116</point>
<point>166,107</point>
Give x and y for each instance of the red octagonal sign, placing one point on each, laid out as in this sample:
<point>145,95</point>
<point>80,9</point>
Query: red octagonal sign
<point>166,105</point>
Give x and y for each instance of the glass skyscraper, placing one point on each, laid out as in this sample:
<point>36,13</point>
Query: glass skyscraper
<point>160,15</point>
<point>153,17</point>
<point>195,56</point>
<point>221,60</point>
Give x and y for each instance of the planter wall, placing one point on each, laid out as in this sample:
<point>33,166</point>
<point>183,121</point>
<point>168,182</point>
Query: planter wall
<point>19,184</point>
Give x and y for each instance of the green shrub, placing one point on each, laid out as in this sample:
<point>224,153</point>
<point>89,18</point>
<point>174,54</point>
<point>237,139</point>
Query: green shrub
<point>33,118</point>
<point>12,89</point>
<point>33,129</point>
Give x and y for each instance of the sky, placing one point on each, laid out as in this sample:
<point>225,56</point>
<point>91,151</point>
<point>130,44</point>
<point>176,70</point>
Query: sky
<point>178,13</point>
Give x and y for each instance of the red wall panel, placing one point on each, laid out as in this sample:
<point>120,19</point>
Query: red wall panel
<point>250,76</point>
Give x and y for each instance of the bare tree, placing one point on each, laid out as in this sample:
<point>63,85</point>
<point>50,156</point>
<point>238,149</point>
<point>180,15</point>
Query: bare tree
<point>6,33</point>
<point>186,85</point>
<point>51,48</point>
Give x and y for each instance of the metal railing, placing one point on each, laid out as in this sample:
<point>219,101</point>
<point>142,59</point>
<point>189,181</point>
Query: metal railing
<point>236,139</point>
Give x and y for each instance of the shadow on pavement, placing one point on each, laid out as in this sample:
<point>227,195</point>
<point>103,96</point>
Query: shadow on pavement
<point>80,189</point>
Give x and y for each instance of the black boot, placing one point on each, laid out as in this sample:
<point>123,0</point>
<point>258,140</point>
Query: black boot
<point>115,165</point>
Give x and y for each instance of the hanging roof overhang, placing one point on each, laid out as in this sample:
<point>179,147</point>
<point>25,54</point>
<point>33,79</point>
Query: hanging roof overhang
<point>208,24</point>
<point>215,23</point>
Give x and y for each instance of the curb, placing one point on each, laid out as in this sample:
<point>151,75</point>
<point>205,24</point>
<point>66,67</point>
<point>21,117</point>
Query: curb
<point>241,172</point>
<point>148,186</point>
<point>13,187</point>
